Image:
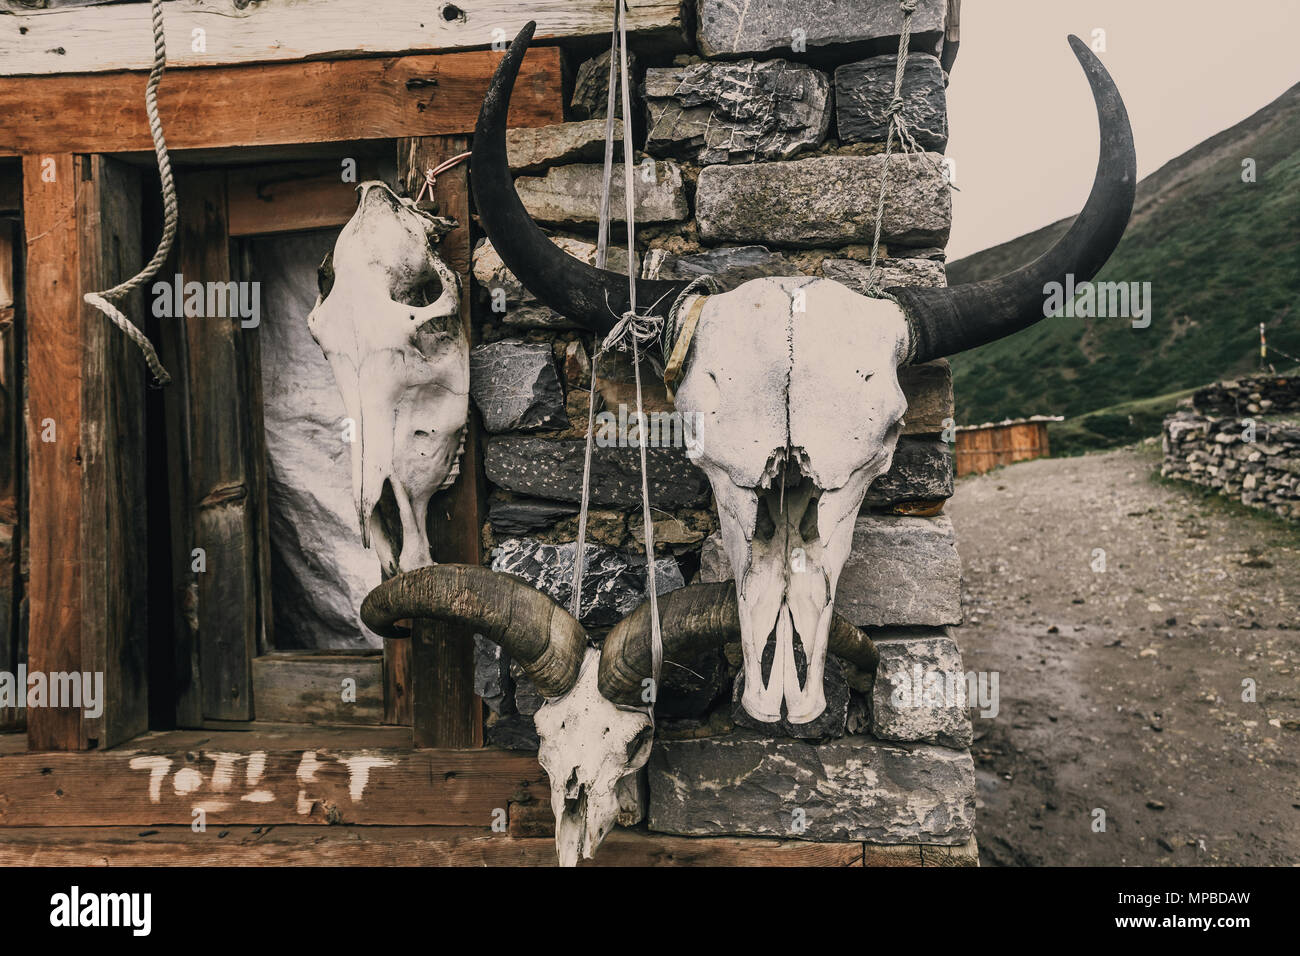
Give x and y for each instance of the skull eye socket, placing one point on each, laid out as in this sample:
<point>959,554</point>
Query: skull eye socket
<point>419,292</point>
<point>643,739</point>
<point>325,275</point>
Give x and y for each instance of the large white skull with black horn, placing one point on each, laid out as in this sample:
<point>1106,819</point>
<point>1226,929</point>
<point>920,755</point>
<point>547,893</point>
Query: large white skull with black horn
<point>388,320</point>
<point>594,728</point>
<point>794,383</point>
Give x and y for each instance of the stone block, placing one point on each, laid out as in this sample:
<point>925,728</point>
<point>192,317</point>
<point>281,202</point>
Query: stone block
<point>853,273</point>
<point>851,789</point>
<point>901,571</point>
<point>919,692</point>
<point>727,28</point>
<point>515,386</point>
<point>533,148</point>
<point>546,468</point>
<point>613,584</point>
<point>863,92</point>
<point>570,195</point>
<point>736,112</point>
<point>922,470</point>
<point>928,390</point>
<point>824,201</point>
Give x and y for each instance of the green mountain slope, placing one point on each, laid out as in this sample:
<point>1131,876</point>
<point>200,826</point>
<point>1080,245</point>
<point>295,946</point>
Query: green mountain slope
<point>1222,256</point>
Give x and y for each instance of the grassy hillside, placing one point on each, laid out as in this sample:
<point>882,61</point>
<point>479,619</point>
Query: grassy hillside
<point>1222,256</point>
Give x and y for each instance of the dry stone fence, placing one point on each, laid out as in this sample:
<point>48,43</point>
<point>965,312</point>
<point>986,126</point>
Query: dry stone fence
<point>1241,438</point>
<point>761,155</point>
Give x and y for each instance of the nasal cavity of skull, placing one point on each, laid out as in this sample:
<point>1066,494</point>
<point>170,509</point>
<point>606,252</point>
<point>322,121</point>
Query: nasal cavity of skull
<point>389,517</point>
<point>786,487</point>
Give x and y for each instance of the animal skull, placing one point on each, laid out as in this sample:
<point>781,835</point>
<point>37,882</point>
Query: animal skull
<point>796,380</point>
<point>793,429</point>
<point>388,320</point>
<point>589,747</point>
<point>595,731</point>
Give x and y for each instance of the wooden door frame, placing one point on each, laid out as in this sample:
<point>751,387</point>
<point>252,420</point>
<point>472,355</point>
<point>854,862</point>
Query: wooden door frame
<point>67,342</point>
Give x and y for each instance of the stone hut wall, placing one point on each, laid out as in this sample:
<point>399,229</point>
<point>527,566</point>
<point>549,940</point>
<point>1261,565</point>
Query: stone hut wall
<point>760,155</point>
<point>1241,438</point>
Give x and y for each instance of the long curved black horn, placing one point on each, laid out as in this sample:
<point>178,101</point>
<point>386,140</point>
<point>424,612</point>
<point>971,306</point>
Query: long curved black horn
<point>944,321</point>
<point>594,298</point>
<point>691,619</point>
<point>535,631</point>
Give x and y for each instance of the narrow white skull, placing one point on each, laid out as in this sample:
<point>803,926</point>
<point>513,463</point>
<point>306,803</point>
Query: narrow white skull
<point>388,321</point>
<point>793,386</point>
<point>589,746</point>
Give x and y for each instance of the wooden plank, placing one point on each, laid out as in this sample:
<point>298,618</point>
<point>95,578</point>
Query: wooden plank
<point>255,455</point>
<point>446,712</point>
<point>120,38</point>
<point>114,531</point>
<point>54,378</point>
<point>290,197</point>
<point>296,687</point>
<point>221,492</point>
<point>272,105</point>
<point>173,351</point>
<point>11,440</point>
<point>319,775</point>
<point>389,846</point>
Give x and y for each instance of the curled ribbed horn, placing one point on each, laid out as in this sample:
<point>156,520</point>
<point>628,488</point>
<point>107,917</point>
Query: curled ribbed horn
<point>535,631</point>
<point>692,618</point>
<point>944,321</point>
<point>594,298</point>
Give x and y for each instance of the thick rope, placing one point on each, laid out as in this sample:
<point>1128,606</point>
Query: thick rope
<point>105,301</point>
<point>906,141</point>
<point>631,330</point>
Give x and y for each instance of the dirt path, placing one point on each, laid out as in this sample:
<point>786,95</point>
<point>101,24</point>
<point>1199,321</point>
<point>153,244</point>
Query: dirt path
<point>1121,689</point>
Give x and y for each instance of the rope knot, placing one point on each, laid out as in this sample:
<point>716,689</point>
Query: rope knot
<point>909,6</point>
<point>895,106</point>
<point>632,329</point>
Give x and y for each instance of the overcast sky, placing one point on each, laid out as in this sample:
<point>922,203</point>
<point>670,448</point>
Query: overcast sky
<point>1023,130</point>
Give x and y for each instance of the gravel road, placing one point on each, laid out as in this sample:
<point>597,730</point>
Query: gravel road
<point>1127,618</point>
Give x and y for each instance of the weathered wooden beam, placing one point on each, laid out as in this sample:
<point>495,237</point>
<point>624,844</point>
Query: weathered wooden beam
<point>11,440</point>
<point>114,535</point>
<point>222,495</point>
<point>445,710</point>
<point>121,38</point>
<point>85,432</point>
<point>54,376</point>
<point>290,197</point>
<point>362,775</point>
<point>279,104</point>
<point>398,846</point>
<point>306,687</point>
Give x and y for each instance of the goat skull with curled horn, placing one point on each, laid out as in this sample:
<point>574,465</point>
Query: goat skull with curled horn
<point>593,726</point>
<point>794,383</point>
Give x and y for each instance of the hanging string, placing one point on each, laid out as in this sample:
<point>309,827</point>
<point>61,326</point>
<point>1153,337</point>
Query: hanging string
<point>898,128</point>
<point>106,301</point>
<point>630,331</point>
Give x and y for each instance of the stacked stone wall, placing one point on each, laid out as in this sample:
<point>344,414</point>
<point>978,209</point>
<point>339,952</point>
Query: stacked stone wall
<point>760,154</point>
